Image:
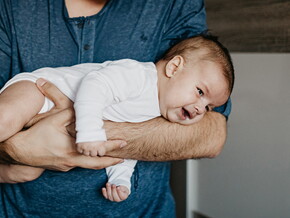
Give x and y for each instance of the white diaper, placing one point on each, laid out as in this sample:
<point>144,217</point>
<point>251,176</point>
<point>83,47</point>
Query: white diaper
<point>47,105</point>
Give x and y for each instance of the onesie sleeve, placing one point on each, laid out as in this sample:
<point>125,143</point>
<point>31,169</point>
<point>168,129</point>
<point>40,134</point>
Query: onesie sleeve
<point>5,44</point>
<point>99,89</point>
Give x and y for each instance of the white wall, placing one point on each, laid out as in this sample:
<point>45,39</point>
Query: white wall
<point>251,178</point>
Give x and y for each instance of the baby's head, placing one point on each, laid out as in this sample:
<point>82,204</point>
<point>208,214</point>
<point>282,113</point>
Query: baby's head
<point>194,76</point>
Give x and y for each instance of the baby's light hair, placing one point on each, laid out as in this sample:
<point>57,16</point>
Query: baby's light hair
<point>205,47</point>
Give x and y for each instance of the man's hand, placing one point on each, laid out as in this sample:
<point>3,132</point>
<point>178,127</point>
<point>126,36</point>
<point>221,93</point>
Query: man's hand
<point>60,101</point>
<point>48,144</point>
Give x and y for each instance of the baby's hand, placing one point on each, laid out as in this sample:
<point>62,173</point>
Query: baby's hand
<point>92,149</point>
<point>115,193</point>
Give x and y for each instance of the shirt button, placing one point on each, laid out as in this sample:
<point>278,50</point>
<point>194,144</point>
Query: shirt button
<point>80,25</point>
<point>87,47</point>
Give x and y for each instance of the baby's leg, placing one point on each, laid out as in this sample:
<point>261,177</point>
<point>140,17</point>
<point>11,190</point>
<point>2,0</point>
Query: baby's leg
<point>18,104</point>
<point>118,187</point>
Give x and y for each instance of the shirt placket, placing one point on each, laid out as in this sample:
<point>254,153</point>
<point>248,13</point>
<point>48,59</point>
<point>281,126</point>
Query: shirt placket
<point>85,30</point>
<point>88,41</point>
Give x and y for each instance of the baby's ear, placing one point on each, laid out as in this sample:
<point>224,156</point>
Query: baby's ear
<point>174,65</point>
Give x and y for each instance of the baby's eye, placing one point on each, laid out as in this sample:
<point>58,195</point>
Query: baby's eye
<point>200,92</point>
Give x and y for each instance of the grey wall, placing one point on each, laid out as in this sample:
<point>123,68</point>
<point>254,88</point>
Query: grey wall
<point>251,178</point>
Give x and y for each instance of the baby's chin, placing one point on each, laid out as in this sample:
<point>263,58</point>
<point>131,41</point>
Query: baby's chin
<point>188,121</point>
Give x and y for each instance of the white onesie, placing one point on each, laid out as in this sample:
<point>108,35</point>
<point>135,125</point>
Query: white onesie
<point>120,91</point>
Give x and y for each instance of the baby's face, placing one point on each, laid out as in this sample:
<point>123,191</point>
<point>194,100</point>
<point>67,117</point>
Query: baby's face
<point>193,91</point>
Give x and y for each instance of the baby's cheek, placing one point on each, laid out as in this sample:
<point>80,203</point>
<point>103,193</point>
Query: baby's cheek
<point>172,116</point>
<point>198,118</point>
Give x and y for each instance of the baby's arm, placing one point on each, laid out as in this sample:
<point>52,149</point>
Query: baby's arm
<point>91,99</point>
<point>118,187</point>
<point>112,84</point>
<point>18,173</point>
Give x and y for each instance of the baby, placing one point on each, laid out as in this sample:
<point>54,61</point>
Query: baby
<point>192,78</point>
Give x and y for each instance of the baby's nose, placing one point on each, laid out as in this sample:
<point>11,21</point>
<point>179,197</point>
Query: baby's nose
<point>200,108</point>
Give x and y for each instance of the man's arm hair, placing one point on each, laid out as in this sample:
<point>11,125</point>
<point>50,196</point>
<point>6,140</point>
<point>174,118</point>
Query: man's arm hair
<point>161,140</point>
<point>153,140</point>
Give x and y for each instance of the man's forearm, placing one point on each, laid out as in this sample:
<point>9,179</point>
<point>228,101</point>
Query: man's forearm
<point>160,140</point>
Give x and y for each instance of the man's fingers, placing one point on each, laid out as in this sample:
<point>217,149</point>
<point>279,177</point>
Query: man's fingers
<point>53,93</point>
<point>36,118</point>
<point>114,144</point>
<point>95,162</point>
<point>67,118</point>
<point>107,161</point>
<point>71,129</point>
<point>64,117</point>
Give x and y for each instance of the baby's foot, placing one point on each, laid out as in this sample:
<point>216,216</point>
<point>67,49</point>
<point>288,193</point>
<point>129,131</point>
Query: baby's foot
<point>115,193</point>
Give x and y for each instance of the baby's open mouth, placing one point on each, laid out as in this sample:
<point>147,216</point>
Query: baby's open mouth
<point>186,114</point>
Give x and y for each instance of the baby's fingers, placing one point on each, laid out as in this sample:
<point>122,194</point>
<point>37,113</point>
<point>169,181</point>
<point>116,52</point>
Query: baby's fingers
<point>115,194</point>
<point>105,194</point>
<point>109,191</point>
<point>101,150</point>
<point>122,192</point>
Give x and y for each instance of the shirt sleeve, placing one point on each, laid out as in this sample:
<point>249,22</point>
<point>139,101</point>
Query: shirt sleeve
<point>186,18</point>
<point>225,109</point>
<point>5,44</point>
<point>110,85</point>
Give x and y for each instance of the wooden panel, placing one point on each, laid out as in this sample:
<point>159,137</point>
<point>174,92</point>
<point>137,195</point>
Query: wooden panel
<point>250,25</point>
